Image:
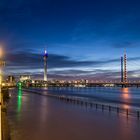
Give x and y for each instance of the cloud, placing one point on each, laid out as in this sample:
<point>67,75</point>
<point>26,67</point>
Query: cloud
<point>30,60</point>
<point>123,45</point>
<point>104,75</point>
<point>33,60</point>
<point>63,67</point>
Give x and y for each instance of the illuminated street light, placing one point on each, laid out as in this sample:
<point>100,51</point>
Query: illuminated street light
<point>1,52</point>
<point>2,63</point>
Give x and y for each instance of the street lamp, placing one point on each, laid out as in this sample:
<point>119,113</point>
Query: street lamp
<point>1,52</point>
<point>2,64</point>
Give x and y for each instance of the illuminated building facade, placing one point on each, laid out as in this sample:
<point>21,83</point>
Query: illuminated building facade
<point>24,78</point>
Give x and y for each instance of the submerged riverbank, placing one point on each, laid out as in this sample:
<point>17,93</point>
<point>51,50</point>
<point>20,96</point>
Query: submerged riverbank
<point>32,116</point>
<point>92,101</point>
<point>127,98</point>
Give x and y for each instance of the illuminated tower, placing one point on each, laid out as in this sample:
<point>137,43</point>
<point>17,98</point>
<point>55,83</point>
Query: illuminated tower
<point>45,65</point>
<point>125,68</point>
<point>122,78</point>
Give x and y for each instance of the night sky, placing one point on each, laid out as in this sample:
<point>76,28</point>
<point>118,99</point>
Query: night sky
<point>84,38</point>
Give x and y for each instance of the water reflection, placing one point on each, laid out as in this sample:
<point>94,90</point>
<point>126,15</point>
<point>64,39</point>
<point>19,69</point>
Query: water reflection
<point>19,101</point>
<point>125,90</point>
<point>124,106</point>
<point>126,93</point>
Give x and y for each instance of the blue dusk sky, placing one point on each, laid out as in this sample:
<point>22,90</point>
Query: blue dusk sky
<point>84,38</point>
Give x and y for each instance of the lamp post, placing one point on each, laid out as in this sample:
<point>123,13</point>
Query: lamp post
<point>2,64</point>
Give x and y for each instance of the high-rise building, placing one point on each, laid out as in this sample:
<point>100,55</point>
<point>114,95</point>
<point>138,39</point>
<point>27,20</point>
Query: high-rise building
<point>45,65</point>
<point>10,79</point>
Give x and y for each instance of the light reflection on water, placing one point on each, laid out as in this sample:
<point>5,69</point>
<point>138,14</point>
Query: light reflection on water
<point>19,103</point>
<point>125,90</point>
<point>126,96</point>
<point>126,93</point>
<point>124,106</point>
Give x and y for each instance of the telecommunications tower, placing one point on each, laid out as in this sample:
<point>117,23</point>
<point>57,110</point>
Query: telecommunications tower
<point>45,65</point>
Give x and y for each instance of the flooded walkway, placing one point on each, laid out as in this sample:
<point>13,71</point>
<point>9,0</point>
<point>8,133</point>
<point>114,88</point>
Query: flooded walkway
<point>36,117</point>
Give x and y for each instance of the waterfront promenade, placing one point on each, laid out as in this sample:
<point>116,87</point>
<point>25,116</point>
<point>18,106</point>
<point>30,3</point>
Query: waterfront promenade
<point>33,116</point>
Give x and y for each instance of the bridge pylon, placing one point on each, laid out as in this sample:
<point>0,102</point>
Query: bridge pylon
<point>125,68</point>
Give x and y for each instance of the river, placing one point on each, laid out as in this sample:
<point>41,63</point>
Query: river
<point>36,117</point>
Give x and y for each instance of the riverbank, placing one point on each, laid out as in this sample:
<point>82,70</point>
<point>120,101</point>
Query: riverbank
<point>32,116</point>
<point>4,121</point>
<point>5,125</point>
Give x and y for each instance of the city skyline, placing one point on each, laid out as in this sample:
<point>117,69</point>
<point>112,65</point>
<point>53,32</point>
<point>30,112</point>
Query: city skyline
<point>69,69</point>
<point>84,39</point>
